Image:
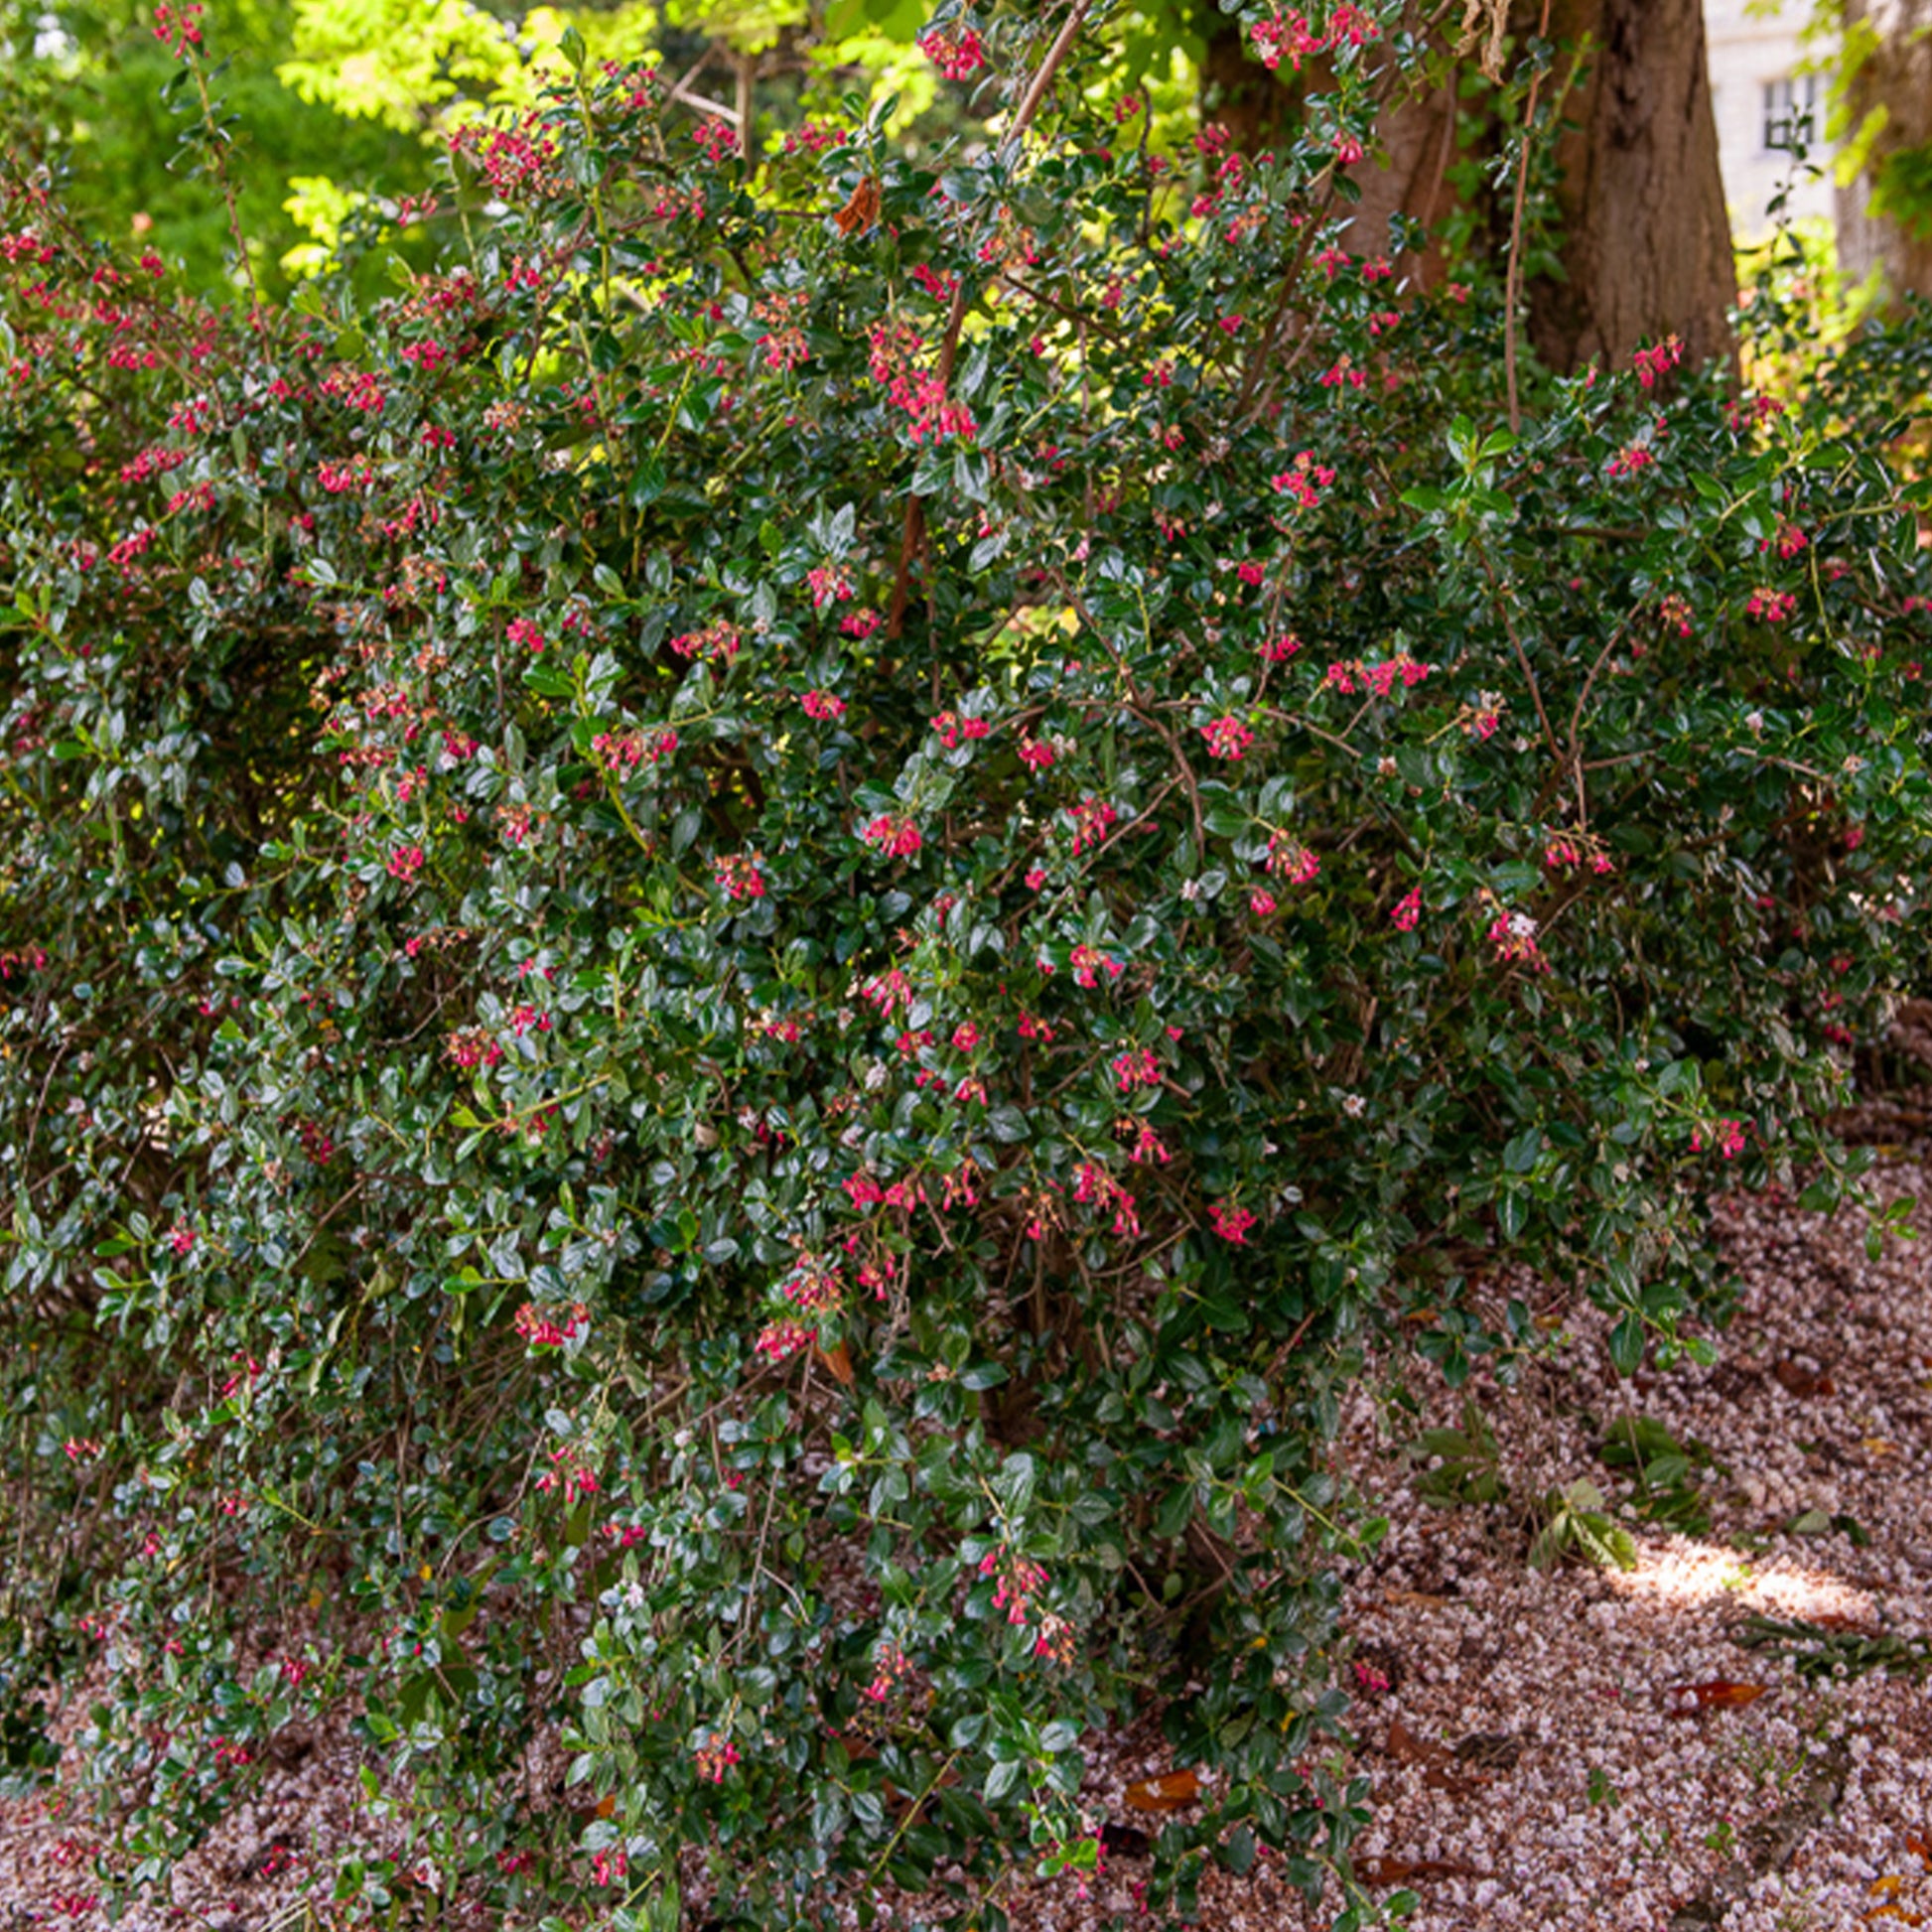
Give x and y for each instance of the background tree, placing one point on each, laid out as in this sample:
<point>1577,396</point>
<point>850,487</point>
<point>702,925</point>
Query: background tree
<point>1883,107</point>
<point>1637,243</point>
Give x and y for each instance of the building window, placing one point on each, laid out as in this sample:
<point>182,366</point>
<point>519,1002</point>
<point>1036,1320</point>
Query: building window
<point>1790,111</point>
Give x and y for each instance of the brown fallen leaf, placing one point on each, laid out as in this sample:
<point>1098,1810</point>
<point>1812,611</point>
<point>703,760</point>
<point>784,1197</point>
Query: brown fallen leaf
<point>1896,1911</point>
<point>1168,1792</point>
<point>838,1358</point>
<point>1398,1872</point>
<point>1921,1848</point>
<point>1405,1744</point>
<point>1803,1382</point>
<point>1420,1598</point>
<point>862,210</point>
<point>1721,1694</point>
<point>1839,1621</point>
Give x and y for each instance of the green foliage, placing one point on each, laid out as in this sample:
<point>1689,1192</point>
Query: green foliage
<point>741,935</point>
<point>1575,1523</point>
<point>1661,1466</point>
<point>1465,1468</point>
<point>98,107</point>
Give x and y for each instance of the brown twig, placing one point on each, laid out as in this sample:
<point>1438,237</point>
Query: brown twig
<point>1513,275</point>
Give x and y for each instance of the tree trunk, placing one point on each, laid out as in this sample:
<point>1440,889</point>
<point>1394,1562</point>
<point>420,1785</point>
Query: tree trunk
<point>1646,243</point>
<point>1897,80</point>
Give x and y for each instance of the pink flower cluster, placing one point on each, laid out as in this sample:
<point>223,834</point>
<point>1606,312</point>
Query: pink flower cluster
<point>1650,363</point>
<point>1407,912</point>
<point>1231,1222</point>
<point>1512,936</point>
<point>717,641</point>
<point>1288,35</point>
<point>957,54</point>
<point>541,1328</point>
<point>1770,607</point>
<point>1561,853</point>
<point>1135,1067</point>
<point>921,395</point>
<point>823,706</point>
<point>737,875</point>
<point>1728,1135</point>
<point>953,728</point>
<point>893,835</point>
<point>1227,737</point>
<point>1095,1186</point>
<point>1290,860</point>
<point>1089,962</point>
<point>1091,817</point>
<point>829,585</point>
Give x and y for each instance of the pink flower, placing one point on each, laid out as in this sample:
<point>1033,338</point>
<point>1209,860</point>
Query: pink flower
<point>1261,902</point>
<point>1135,1067</point>
<point>1250,574</point>
<point>1088,962</point>
<point>1227,737</point>
<point>1036,756</point>
<point>829,584</point>
<point>958,55</point>
<point>1231,1222</point>
<point>965,1037</point>
<point>1289,859</point>
<point>897,837</point>
<point>1771,607</point>
<point>737,875</point>
<point>1091,817</point>
<point>182,1239</point>
<point>1408,911</point>
<point>1036,879</point>
<point>823,705</point>
<point>951,727</point>
<point>1650,363</point>
<point>405,861</point>
<point>1348,151</point>
<point>1729,1136</point>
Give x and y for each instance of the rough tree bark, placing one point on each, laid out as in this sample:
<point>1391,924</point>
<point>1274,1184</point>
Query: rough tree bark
<point>1646,242</point>
<point>1897,78</point>
<point>1646,247</point>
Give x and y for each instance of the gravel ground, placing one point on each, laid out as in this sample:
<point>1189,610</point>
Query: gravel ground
<point>1582,1748</point>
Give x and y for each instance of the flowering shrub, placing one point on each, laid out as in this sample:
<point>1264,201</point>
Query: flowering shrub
<point>728,973</point>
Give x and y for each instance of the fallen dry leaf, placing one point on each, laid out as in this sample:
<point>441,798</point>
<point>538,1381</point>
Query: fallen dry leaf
<point>1721,1694</point>
<point>1398,1872</point>
<point>1405,1744</point>
<point>1802,1383</point>
<point>1165,1793</point>
<point>838,1359</point>
<point>1921,1848</point>
<point>1419,1598</point>
<point>862,210</point>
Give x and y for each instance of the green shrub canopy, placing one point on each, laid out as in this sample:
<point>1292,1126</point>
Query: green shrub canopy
<point>739,941</point>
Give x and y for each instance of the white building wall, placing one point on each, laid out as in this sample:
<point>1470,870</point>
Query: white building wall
<point>1753,45</point>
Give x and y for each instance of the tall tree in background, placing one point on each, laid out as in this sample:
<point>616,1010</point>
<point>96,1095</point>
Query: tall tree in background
<point>1884,106</point>
<point>1643,247</point>
<point>1647,241</point>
